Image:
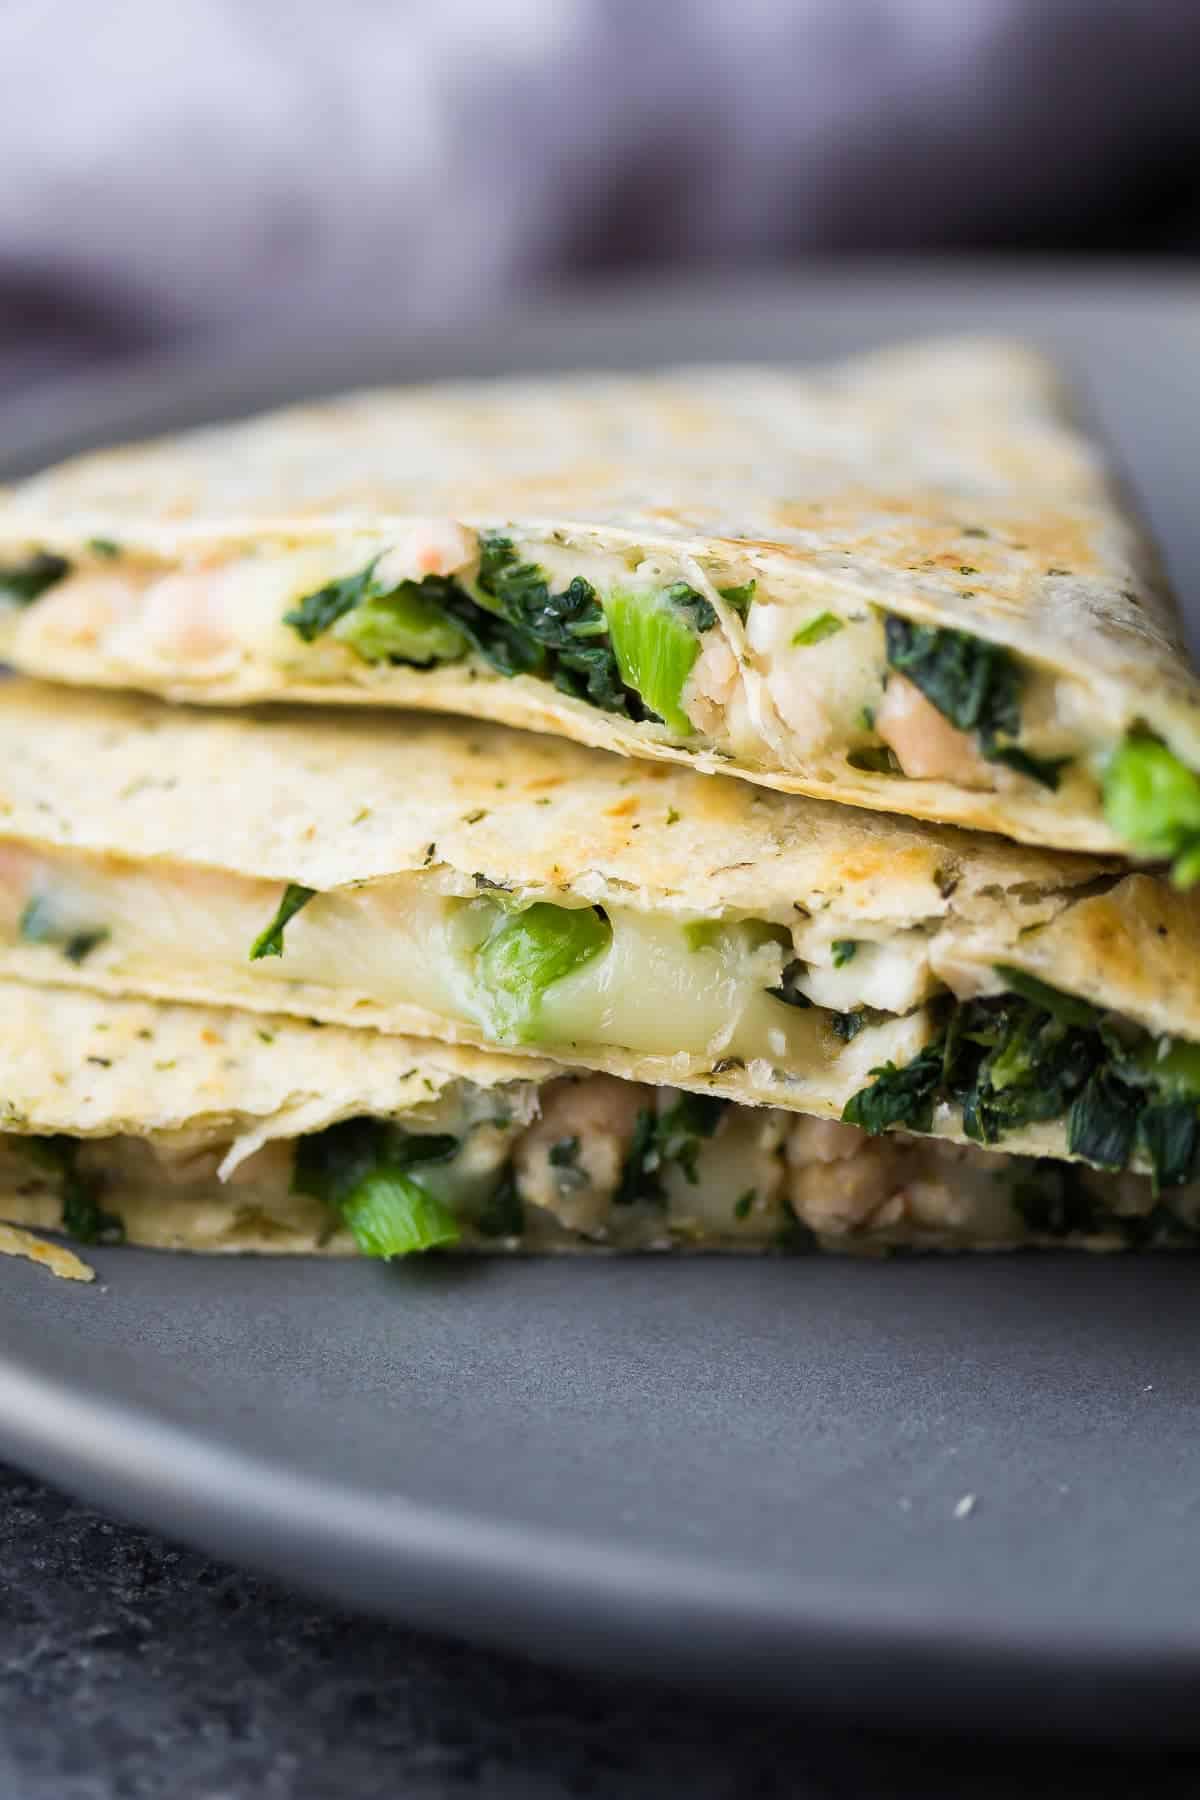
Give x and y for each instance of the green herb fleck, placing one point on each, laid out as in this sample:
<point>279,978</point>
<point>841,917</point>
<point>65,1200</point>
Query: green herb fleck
<point>102,546</point>
<point>844,950</point>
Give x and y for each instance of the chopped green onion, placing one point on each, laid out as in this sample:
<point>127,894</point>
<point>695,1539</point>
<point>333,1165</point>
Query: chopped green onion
<point>406,625</point>
<point>390,1214</point>
<point>526,953</point>
<point>655,647</point>
<point>1152,803</point>
<point>270,941</point>
<point>825,625</point>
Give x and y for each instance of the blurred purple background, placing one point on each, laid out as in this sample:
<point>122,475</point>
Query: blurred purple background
<point>183,171</point>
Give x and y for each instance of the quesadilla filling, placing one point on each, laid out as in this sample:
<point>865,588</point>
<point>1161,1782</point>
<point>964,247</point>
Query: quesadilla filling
<point>890,1029</point>
<point>701,657</point>
<point>584,1160</point>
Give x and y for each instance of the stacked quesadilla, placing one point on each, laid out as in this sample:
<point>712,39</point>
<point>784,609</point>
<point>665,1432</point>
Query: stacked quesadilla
<point>288,976</point>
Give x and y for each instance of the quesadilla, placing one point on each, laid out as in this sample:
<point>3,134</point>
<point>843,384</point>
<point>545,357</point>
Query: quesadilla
<point>908,583</point>
<point>485,887</point>
<point>196,1128</point>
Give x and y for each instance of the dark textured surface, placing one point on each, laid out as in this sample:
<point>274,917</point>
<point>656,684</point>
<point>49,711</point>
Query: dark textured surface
<point>751,1473</point>
<point>132,1669</point>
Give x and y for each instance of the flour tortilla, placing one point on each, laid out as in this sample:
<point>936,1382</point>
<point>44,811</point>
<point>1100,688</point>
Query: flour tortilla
<point>124,788</point>
<point>947,483</point>
<point>164,1090</point>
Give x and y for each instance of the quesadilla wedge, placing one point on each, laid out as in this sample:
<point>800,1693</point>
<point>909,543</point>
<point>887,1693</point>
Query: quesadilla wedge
<point>196,1128</point>
<point>908,583</point>
<point>483,886</point>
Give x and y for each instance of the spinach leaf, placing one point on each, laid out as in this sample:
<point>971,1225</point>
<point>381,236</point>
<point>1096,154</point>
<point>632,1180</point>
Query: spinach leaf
<point>317,612</point>
<point>1169,1134</point>
<point>41,922</point>
<point>739,598</point>
<point>1102,1125</point>
<point>1053,1201</point>
<point>83,1217</point>
<point>899,1096</point>
<point>503,1214</point>
<point>974,684</point>
<point>788,991</point>
<point>660,1139</point>
<point>1067,1007</point>
<point>1015,1059</point>
<point>27,581</point>
<point>847,1025</point>
<point>569,628</point>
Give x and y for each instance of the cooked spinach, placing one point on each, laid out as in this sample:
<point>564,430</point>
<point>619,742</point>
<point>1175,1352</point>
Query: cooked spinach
<point>83,1217</point>
<point>1169,1136</point>
<point>974,684</point>
<point>269,942</point>
<point>28,580</point>
<point>741,599</point>
<point>847,1025</point>
<point>519,625</point>
<point>700,613</point>
<point>503,1213</point>
<point>1019,1058</point>
<point>660,1139</point>
<point>1054,1201</point>
<point>788,990</point>
<point>566,632</point>
<point>903,1096</point>
<point>563,1158</point>
<point>41,923</point>
<point>312,616</point>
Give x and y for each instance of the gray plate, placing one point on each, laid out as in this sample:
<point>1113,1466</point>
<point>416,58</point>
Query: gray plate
<point>748,1475</point>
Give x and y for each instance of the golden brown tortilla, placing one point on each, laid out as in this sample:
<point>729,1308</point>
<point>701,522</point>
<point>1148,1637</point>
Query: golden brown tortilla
<point>232,807</point>
<point>948,483</point>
